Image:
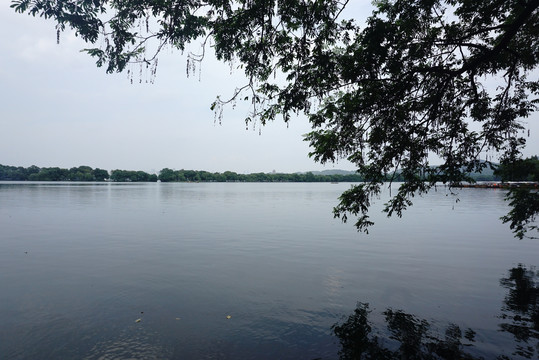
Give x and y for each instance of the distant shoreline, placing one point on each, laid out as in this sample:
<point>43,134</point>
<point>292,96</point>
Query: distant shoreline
<point>88,174</point>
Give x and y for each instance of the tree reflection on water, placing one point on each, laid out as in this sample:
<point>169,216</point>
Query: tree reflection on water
<point>410,337</point>
<point>521,310</point>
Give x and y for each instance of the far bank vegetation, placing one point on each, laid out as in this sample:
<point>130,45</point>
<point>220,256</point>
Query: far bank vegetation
<point>523,170</point>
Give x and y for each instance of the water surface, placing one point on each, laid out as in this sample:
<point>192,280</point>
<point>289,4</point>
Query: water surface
<point>80,263</point>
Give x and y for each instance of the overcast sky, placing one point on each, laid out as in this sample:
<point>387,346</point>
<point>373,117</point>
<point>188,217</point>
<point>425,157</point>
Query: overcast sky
<point>58,109</point>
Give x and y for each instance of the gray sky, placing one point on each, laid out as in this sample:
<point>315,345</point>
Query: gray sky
<point>58,109</point>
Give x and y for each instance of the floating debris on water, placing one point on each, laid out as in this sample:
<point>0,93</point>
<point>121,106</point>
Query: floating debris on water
<point>138,320</point>
<point>228,316</point>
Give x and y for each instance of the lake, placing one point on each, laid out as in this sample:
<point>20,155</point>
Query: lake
<point>245,270</point>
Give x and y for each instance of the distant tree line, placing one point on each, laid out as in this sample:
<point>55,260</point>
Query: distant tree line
<point>169,175</point>
<point>522,170</point>
<point>130,175</point>
<point>34,173</point>
<point>86,173</point>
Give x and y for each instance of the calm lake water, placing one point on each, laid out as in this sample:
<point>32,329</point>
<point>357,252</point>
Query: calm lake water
<point>152,271</point>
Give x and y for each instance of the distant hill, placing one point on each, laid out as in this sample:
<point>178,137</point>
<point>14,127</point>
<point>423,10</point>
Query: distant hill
<point>486,174</point>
